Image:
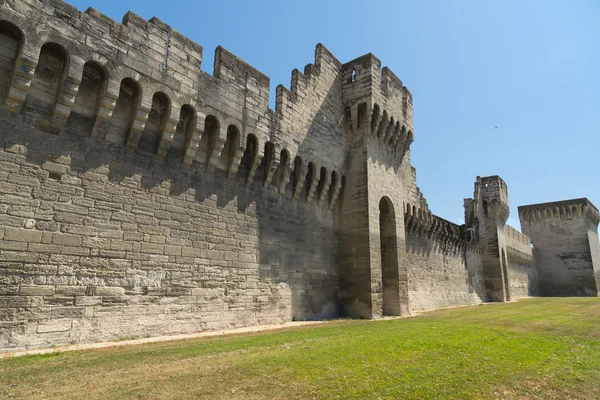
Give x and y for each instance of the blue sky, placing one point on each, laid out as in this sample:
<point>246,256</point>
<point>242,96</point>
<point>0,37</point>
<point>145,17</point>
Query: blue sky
<point>530,68</point>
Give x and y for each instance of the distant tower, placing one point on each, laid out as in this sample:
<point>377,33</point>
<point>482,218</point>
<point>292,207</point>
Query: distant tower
<point>494,196</point>
<point>565,246</point>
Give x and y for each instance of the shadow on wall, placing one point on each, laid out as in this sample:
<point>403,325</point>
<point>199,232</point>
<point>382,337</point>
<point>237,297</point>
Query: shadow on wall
<point>272,213</point>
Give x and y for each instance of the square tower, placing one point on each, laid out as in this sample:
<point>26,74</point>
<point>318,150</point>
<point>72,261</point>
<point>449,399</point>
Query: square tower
<point>378,128</point>
<point>566,249</point>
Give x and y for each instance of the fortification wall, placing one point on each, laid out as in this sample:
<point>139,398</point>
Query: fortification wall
<point>561,233</point>
<point>522,275</point>
<point>142,196</point>
<point>166,103</point>
<point>443,268</point>
<point>97,243</point>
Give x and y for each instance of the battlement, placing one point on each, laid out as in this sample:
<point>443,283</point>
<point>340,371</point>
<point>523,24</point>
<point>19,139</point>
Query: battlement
<point>565,209</point>
<point>161,68</point>
<point>377,96</point>
<point>421,222</point>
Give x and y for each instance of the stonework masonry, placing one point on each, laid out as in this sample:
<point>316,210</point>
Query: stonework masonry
<point>564,235</point>
<point>141,196</point>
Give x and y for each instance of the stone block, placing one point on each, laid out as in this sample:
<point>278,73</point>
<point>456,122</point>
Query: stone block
<point>22,235</point>
<point>70,290</point>
<point>55,168</point>
<point>37,290</point>
<point>66,239</point>
<point>60,325</point>
<point>109,291</point>
<point>88,301</point>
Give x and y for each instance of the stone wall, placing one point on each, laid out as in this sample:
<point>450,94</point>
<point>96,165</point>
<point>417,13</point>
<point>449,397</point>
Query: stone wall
<point>442,274</point>
<point>98,243</point>
<point>142,196</point>
<point>522,274</point>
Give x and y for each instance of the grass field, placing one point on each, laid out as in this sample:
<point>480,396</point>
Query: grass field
<point>533,349</point>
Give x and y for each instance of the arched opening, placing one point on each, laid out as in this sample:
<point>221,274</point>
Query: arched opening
<point>389,258</point>
<point>332,186</point>
<point>265,164</point>
<point>505,274</point>
<point>322,180</point>
<point>282,170</point>
<point>49,74</point>
<point>212,128</point>
<point>124,113</point>
<point>389,131</point>
<point>297,175</point>
<point>249,154</point>
<point>229,149</point>
<point>383,124</point>
<point>395,134</point>
<point>184,131</point>
<point>157,121</point>
<point>374,118</point>
<point>310,178</point>
<point>90,94</point>
<point>362,115</point>
<point>11,40</point>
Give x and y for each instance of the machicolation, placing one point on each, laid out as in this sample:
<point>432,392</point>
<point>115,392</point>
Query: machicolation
<point>142,196</point>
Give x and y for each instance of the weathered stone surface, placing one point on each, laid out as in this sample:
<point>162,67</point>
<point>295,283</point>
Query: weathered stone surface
<point>56,325</point>
<point>565,243</point>
<point>175,201</point>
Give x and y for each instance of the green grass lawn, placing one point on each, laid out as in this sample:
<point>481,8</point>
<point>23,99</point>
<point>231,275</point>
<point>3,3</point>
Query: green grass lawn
<point>533,349</point>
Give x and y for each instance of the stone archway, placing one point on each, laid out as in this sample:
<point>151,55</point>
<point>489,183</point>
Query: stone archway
<point>389,258</point>
<point>505,275</point>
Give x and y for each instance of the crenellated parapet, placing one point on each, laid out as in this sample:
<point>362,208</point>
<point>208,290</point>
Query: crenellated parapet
<point>138,84</point>
<point>559,210</point>
<point>377,105</point>
<point>421,222</point>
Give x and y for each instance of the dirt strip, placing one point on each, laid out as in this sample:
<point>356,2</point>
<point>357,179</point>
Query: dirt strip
<point>101,345</point>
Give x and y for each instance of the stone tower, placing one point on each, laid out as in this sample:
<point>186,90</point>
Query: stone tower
<point>565,242</point>
<point>494,194</point>
<point>378,123</point>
